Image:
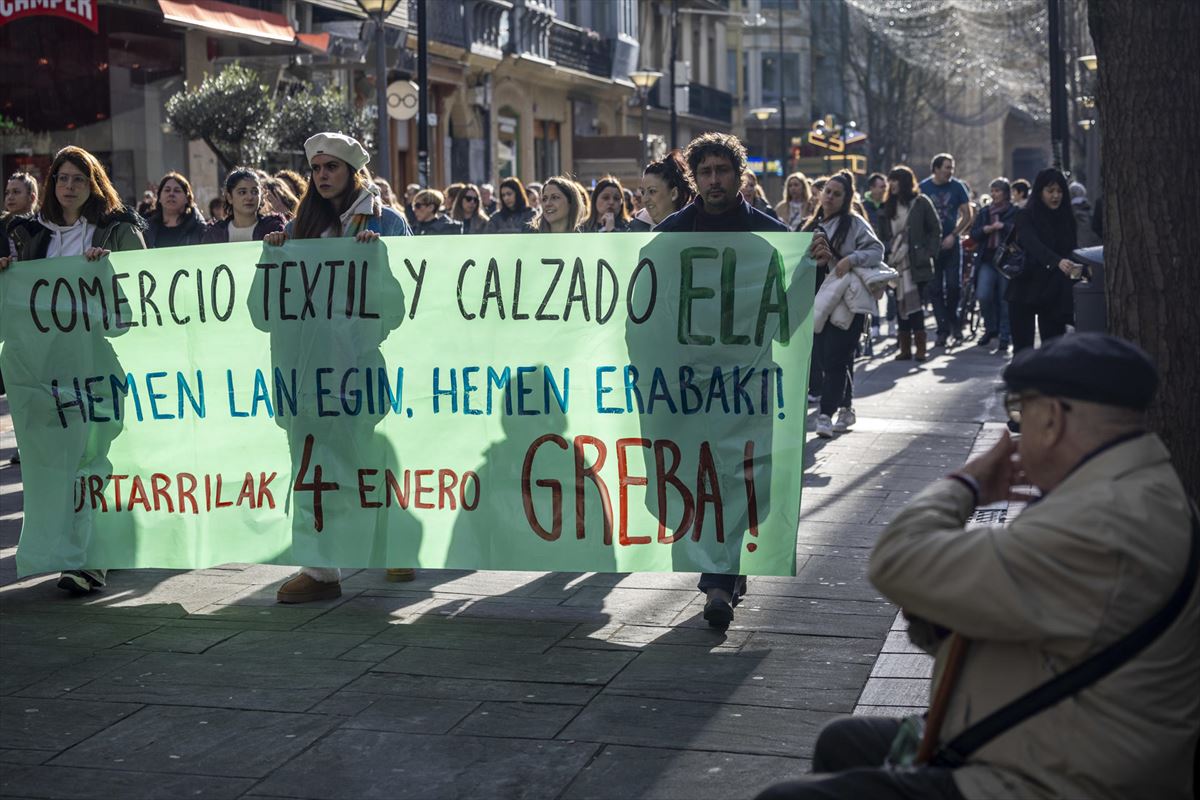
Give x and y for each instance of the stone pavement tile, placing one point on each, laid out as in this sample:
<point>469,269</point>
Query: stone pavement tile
<point>634,606</point>
<point>724,727</point>
<point>24,757</point>
<point>345,704</point>
<point>271,644</point>
<point>450,581</point>
<point>749,678</point>
<point>517,720</point>
<point>656,580</point>
<point>249,574</point>
<point>890,711</point>
<point>616,635</point>
<point>436,687</point>
<point>169,639</point>
<point>282,683</point>
<point>839,577</point>
<point>51,724</point>
<point>903,665</point>
<point>650,773</point>
<point>260,595</point>
<point>804,598</point>
<point>839,533</point>
<point>277,615</point>
<point>460,633</point>
<point>64,630</point>
<point>806,550</point>
<point>534,610</point>
<point>557,665</point>
<point>72,783</point>
<point>372,653</point>
<point>898,642</point>
<point>815,648</point>
<point>368,614</point>
<point>787,621</point>
<point>51,671</point>
<point>402,765</point>
<point>199,741</point>
<point>411,715</point>
<point>896,692</point>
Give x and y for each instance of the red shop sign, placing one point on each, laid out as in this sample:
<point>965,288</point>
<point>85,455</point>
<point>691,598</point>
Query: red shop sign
<point>81,11</point>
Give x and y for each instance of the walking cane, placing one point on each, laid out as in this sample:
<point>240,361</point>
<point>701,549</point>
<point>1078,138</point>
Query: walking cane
<point>941,699</point>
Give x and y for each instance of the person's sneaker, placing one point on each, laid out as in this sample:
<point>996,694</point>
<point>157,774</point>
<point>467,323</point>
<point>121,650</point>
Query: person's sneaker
<point>1001,349</point>
<point>824,426</point>
<point>845,419</point>
<point>718,614</point>
<point>956,337</point>
<point>80,581</point>
<point>401,575</point>
<point>986,339</point>
<point>305,589</point>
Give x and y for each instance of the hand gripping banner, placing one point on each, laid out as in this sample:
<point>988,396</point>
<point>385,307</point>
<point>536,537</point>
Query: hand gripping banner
<point>611,403</point>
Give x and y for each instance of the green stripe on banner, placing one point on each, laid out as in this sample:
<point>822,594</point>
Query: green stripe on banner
<point>621,403</point>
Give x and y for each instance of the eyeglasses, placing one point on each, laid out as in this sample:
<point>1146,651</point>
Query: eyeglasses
<point>63,179</point>
<point>470,198</point>
<point>1014,401</point>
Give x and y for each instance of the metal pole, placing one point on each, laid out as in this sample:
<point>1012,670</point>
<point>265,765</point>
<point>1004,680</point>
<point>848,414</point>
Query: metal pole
<point>1058,90</point>
<point>422,97</point>
<point>671,88</point>
<point>645,140</point>
<point>384,147</point>
<point>783,137</point>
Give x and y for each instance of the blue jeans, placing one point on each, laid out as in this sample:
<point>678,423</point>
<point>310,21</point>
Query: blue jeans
<point>945,289</point>
<point>989,291</point>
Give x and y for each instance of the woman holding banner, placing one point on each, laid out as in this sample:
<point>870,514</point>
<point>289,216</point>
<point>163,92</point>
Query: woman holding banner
<point>340,201</point>
<point>244,220</point>
<point>562,207</point>
<point>81,215</point>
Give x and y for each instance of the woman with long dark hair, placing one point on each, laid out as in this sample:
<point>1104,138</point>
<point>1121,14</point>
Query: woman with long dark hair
<point>468,209</point>
<point>514,213</point>
<point>244,218</point>
<point>81,215</point>
<point>666,188</point>
<point>843,241</point>
<point>176,220</point>
<point>912,236</point>
<point>608,212</point>
<point>1041,293</point>
<point>562,207</point>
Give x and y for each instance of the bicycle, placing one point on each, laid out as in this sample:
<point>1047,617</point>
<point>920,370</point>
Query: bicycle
<point>969,315</point>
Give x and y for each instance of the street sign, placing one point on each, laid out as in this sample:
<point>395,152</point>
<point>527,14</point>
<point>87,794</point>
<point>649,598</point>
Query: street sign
<point>402,100</point>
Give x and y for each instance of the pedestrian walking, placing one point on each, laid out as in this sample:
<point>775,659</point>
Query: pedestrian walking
<point>990,230</point>
<point>176,220</point>
<point>562,207</point>
<point>953,203</point>
<point>81,215</point>
<point>340,201</point>
<point>1081,614</point>
<point>845,246</point>
<point>609,213</point>
<point>1020,192</point>
<point>912,234</point>
<point>1042,291</point>
<point>1081,209</point>
<point>873,201</point>
<point>795,208</point>
<point>513,214</point>
<point>431,220</point>
<point>243,219</point>
<point>468,210</point>
<point>716,162</point>
<point>666,188</point>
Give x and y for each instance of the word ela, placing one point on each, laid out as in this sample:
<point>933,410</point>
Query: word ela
<point>699,498</point>
<point>411,486</point>
<point>182,493</point>
<point>593,294</point>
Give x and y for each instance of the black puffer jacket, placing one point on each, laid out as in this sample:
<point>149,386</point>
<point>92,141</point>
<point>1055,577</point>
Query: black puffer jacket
<point>440,225</point>
<point>192,232</point>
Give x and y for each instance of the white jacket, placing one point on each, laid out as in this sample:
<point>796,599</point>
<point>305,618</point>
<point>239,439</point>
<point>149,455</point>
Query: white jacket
<point>839,299</point>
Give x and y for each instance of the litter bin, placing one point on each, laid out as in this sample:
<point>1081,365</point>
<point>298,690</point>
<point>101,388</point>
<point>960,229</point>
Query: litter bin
<point>1090,311</point>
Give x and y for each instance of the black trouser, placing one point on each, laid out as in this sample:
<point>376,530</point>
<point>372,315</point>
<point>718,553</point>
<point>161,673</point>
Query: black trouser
<point>837,361</point>
<point>734,584</point>
<point>854,749</point>
<point>1050,323</point>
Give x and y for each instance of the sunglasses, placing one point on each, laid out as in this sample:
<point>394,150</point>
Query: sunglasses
<point>470,198</point>
<point>422,205</point>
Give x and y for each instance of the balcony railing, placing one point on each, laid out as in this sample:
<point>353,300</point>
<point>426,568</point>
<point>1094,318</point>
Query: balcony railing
<point>446,21</point>
<point>703,101</point>
<point>577,48</point>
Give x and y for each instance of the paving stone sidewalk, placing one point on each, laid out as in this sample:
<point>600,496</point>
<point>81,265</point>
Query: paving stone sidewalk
<point>483,684</point>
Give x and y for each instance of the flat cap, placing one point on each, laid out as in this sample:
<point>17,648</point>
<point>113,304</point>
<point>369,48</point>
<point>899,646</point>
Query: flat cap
<point>338,145</point>
<point>1093,367</point>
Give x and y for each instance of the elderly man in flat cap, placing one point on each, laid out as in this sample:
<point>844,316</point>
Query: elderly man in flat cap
<point>1088,596</point>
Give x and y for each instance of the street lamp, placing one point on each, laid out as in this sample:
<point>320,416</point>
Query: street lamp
<point>644,80</point>
<point>762,114</point>
<point>379,10</point>
<point>1089,63</point>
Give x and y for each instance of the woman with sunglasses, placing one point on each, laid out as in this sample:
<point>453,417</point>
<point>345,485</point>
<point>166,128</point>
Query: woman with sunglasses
<point>468,210</point>
<point>430,220</point>
<point>81,215</point>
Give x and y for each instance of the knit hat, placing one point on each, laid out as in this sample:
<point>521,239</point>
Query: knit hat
<point>338,145</point>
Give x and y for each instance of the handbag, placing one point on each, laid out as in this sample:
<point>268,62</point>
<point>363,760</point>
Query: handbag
<point>1009,259</point>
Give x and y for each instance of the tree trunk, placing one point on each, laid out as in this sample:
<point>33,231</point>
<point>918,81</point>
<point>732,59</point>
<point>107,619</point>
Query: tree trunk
<point>1149,104</point>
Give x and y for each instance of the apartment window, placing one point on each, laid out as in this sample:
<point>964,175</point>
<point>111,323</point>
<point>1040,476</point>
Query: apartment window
<point>772,75</point>
<point>547,155</point>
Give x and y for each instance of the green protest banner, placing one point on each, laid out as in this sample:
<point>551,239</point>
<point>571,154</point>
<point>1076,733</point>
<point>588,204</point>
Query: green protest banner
<point>556,402</point>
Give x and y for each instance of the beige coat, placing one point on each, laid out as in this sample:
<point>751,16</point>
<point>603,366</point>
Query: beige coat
<point>1072,574</point>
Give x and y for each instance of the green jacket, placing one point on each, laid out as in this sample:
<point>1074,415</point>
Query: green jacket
<point>924,237</point>
<point>119,231</point>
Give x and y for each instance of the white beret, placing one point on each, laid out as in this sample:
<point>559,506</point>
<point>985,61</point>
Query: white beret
<point>338,145</point>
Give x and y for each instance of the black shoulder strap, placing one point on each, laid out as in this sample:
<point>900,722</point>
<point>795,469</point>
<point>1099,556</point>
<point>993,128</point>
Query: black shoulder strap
<point>958,750</point>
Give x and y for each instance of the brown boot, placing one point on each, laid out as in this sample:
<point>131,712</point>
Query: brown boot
<point>921,341</point>
<point>401,575</point>
<point>904,349</point>
<point>305,589</point>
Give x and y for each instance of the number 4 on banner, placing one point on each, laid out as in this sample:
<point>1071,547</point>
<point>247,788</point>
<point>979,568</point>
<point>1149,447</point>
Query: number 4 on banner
<point>316,487</point>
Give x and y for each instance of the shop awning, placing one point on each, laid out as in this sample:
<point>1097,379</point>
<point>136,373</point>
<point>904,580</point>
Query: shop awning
<point>317,42</point>
<point>230,20</point>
